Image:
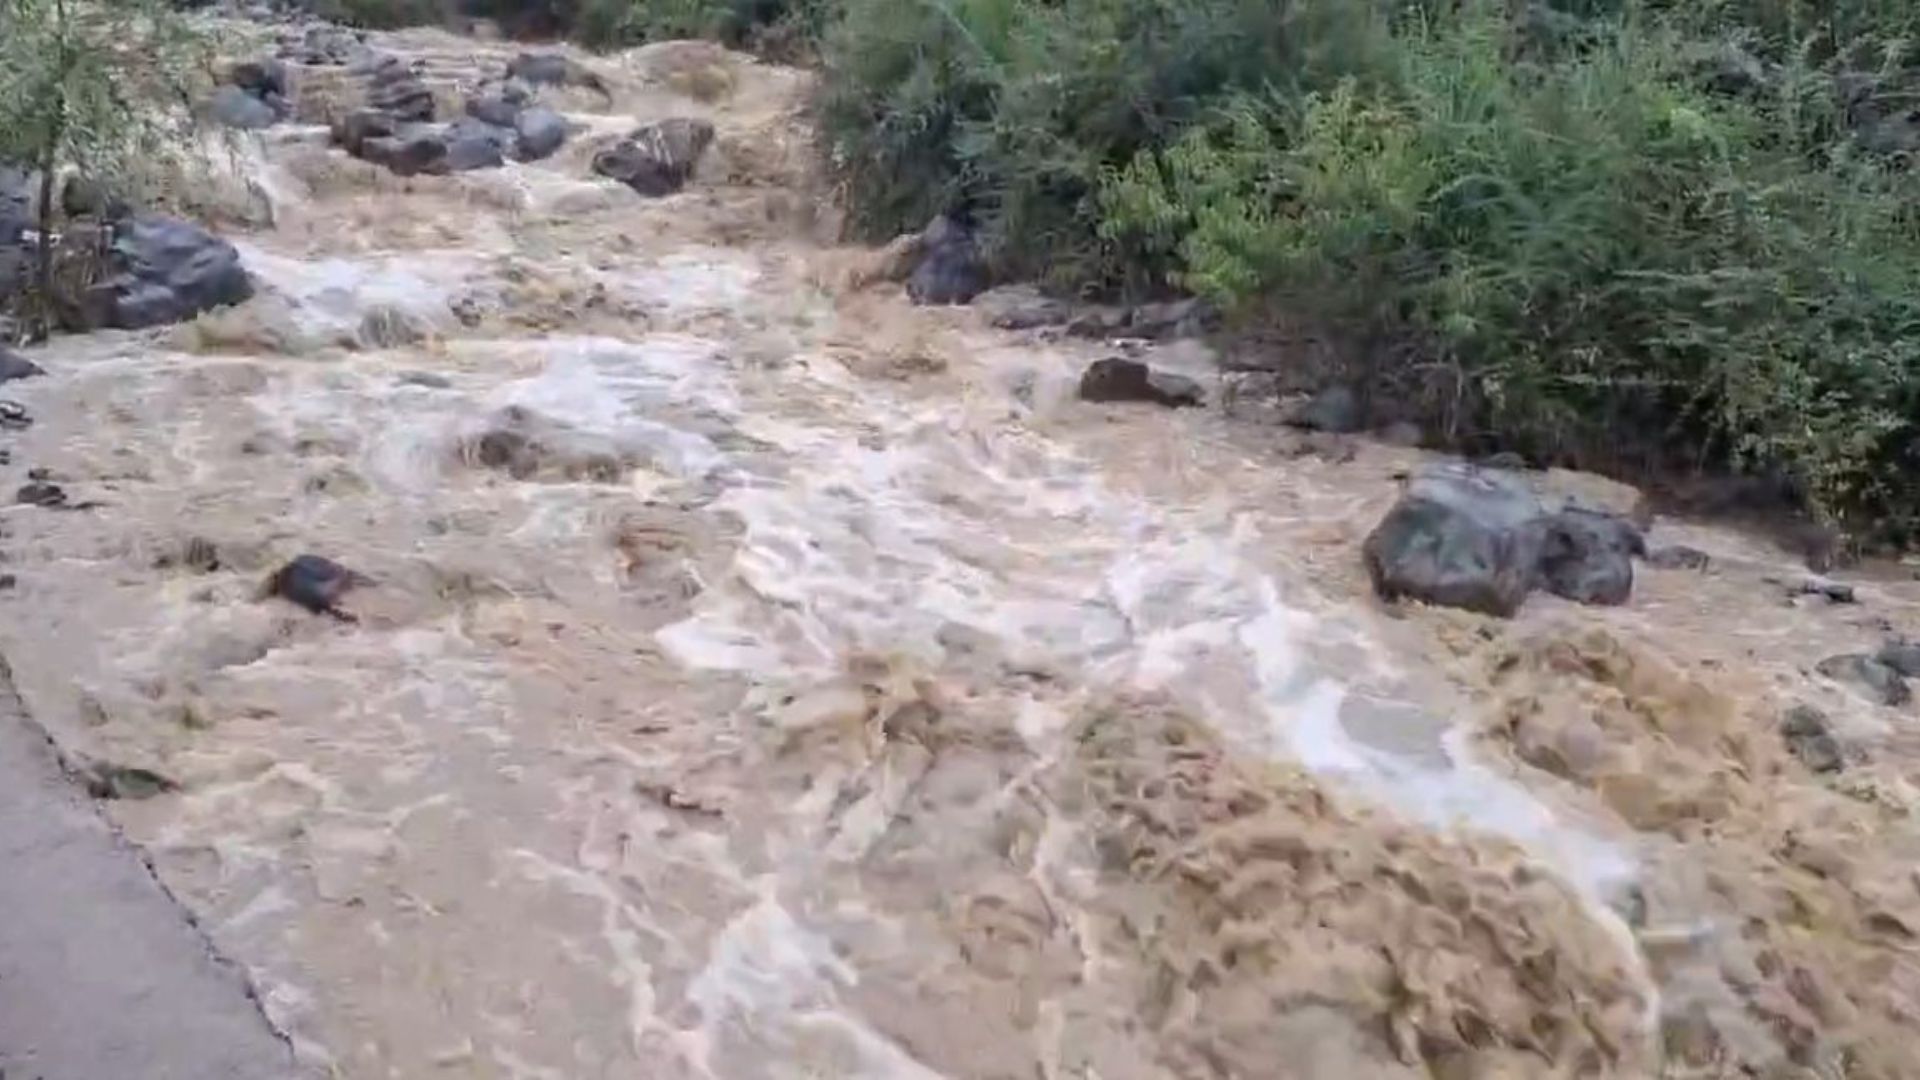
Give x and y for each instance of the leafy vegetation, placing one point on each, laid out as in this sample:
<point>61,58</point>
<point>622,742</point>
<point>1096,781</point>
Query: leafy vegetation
<point>91,86</point>
<point>1614,234</point>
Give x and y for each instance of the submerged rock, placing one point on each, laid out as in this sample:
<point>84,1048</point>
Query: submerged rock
<point>1117,379</point>
<point>1678,557</point>
<point>14,366</point>
<point>165,271</point>
<point>1022,307</point>
<point>1902,656</point>
<point>233,107</point>
<point>1804,729</point>
<point>657,159</point>
<point>950,270</point>
<point>314,583</point>
<point>41,493</point>
<point>1587,556</point>
<point>1462,537</point>
<point>1868,675</point>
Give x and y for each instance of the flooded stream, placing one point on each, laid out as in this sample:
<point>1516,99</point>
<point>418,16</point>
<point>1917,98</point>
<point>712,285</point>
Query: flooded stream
<point>765,678</point>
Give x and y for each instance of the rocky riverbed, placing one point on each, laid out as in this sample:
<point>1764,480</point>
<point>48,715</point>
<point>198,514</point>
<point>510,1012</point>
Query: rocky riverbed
<point>723,666</point>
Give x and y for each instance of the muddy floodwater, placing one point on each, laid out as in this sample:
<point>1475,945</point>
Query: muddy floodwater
<point>763,678</point>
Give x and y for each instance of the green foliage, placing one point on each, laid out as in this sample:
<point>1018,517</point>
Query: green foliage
<point>1591,258</point>
<point>98,85</point>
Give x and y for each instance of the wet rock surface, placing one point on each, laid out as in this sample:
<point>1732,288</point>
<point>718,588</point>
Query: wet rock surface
<point>951,270</point>
<point>1117,379</point>
<point>1807,736</point>
<point>657,159</point>
<point>1459,537</point>
<point>315,583</point>
<point>1587,556</point>
<point>1869,676</point>
<point>165,271</point>
<point>14,366</point>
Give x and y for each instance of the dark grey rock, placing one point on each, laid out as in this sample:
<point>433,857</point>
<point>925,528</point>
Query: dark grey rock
<point>1834,592</point>
<point>414,151</point>
<point>1336,409</point>
<point>500,103</point>
<point>14,415</point>
<point>87,197</point>
<point>1587,556</point>
<point>657,159</point>
<point>472,144</point>
<point>235,108</point>
<point>267,75</point>
<point>1804,729</point>
<point>41,493</point>
<point>325,45</point>
<point>353,130</point>
<point>538,132</point>
<point>397,91</point>
<point>1678,557</point>
<point>1902,656</point>
<point>1878,681</point>
<point>1022,307</point>
<point>554,69</point>
<point>1168,319</point>
<point>315,583</point>
<point>1461,537</point>
<point>166,271</point>
<point>1117,379</point>
<point>549,69</point>
<point>14,366</point>
<point>950,270</point>
<point>428,379</point>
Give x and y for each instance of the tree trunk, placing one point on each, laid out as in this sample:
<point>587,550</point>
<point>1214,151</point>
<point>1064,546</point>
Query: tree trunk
<point>44,314</point>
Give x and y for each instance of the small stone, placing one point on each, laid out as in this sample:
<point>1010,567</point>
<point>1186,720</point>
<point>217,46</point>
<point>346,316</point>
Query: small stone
<point>315,583</point>
<point>1878,681</point>
<point>8,581</point>
<point>14,415</point>
<point>14,366</point>
<point>41,494</point>
<point>1118,379</point>
<point>1835,592</point>
<point>1678,557</point>
<point>105,780</point>
<point>1804,729</point>
<point>1902,656</point>
<point>426,379</point>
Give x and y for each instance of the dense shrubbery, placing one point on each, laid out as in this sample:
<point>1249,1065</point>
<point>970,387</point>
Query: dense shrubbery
<point>1610,234</point>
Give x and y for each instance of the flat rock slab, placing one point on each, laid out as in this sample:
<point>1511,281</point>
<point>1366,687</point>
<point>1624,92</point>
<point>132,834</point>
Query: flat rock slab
<point>101,975</point>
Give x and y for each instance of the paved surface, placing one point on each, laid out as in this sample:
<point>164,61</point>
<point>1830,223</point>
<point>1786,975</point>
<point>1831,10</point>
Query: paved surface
<point>101,975</point>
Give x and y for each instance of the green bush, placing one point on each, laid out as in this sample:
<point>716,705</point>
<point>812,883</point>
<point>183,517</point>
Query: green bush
<point>1592,259</point>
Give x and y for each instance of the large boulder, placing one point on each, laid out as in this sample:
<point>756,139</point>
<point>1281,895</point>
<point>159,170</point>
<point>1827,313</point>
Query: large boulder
<point>1462,537</point>
<point>1588,556</point>
<point>351,131</point>
<point>1336,409</point>
<point>538,132</point>
<point>1902,656</point>
<point>165,271</point>
<point>951,270</point>
<point>1120,379</point>
<point>657,159</point>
